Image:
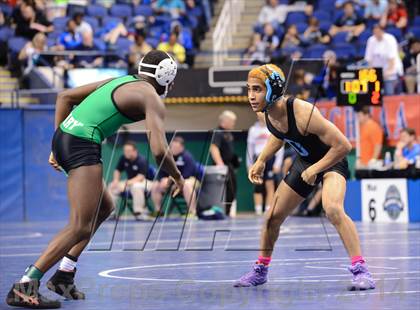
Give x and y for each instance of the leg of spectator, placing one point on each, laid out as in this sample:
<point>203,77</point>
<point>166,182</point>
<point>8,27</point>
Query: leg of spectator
<point>137,190</point>
<point>189,193</point>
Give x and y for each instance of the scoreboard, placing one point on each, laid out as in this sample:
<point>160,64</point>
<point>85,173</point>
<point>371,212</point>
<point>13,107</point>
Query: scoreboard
<point>360,87</point>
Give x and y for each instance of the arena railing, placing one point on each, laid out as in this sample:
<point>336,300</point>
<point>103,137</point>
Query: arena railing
<point>225,29</point>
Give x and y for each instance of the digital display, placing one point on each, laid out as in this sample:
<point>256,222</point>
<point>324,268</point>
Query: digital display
<point>83,76</point>
<point>360,87</point>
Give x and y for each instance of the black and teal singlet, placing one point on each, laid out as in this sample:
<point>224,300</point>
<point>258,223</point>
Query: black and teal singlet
<point>97,116</point>
<point>310,147</point>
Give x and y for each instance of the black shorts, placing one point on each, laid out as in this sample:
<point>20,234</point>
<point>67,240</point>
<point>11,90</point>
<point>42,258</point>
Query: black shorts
<point>71,152</point>
<point>295,181</point>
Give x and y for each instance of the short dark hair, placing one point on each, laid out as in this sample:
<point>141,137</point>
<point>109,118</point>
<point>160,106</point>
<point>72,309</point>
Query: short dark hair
<point>78,14</point>
<point>408,130</point>
<point>131,143</point>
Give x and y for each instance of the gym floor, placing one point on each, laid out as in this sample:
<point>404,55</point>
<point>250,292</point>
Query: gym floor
<point>177,264</point>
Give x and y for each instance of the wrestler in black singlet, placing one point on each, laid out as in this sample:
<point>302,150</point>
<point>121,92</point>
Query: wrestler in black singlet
<point>310,150</point>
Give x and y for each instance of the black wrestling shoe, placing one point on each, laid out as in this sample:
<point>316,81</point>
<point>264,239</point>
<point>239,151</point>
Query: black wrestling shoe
<point>62,283</point>
<point>27,295</point>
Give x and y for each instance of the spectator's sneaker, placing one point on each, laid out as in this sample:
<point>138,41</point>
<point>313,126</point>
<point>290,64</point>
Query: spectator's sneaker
<point>362,279</point>
<point>62,283</point>
<point>27,295</point>
<point>257,276</point>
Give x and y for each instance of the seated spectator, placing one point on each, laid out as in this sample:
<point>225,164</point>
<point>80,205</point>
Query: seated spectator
<point>270,38</point>
<point>88,61</point>
<point>300,88</point>
<point>307,6</point>
<point>382,52</point>
<point>71,39</point>
<point>174,48</point>
<point>290,38</point>
<point>313,34</point>
<point>138,49</point>
<point>138,179</point>
<point>375,9</point>
<point>350,22</point>
<point>175,8</point>
<point>30,52</point>
<point>82,26</point>
<point>112,31</point>
<point>407,150</point>
<point>410,66</point>
<point>396,15</point>
<point>329,85</point>
<point>270,12</point>
<point>29,21</point>
<point>371,139</point>
<point>359,4</point>
<point>188,168</point>
<point>184,35</point>
<point>256,53</point>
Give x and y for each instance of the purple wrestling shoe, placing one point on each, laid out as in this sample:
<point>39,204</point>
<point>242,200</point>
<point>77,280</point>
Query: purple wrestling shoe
<point>257,276</point>
<point>362,279</point>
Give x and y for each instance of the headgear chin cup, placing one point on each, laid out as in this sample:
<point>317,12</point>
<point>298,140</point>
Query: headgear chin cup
<point>164,74</point>
<point>275,87</point>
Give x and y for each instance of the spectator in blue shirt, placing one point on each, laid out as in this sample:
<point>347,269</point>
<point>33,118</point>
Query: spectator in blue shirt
<point>71,39</point>
<point>407,149</point>
<point>188,168</point>
<point>175,8</point>
<point>375,9</point>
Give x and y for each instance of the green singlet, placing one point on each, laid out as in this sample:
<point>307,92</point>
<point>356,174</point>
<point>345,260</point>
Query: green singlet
<point>97,116</point>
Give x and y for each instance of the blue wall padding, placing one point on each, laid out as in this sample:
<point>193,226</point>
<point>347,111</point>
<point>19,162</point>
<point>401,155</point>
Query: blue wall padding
<point>45,188</point>
<point>353,200</point>
<point>11,163</point>
<point>413,189</point>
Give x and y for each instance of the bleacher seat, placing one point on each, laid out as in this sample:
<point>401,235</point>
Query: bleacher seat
<point>92,21</point>
<point>325,25</point>
<point>344,50</point>
<point>123,47</point>
<point>111,20</point>
<point>340,38</point>
<point>15,44</point>
<point>96,10</point>
<point>6,9</point>
<point>155,32</point>
<point>121,10</point>
<point>143,10</point>
<point>6,33</point>
<point>287,51</point>
<point>301,27</point>
<point>396,32</point>
<point>364,36</point>
<point>415,30</point>
<point>416,21</point>
<point>60,23</point>
<point>100,44</point>
<point>315,51</point>
<point>280,31</point>
<point>322,15</point>
<point>360,50</point>
<point>295,17</point>
<point>326,5</point>
<point>153,42</point>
